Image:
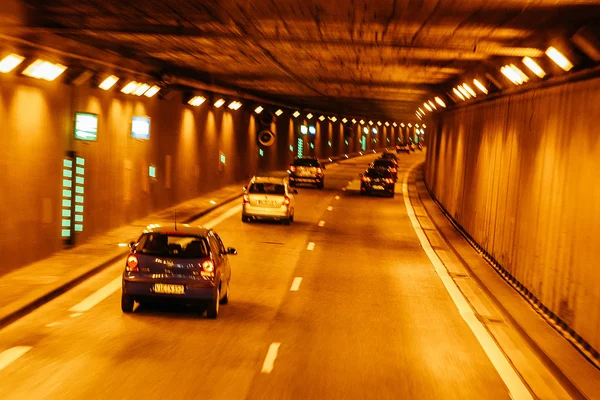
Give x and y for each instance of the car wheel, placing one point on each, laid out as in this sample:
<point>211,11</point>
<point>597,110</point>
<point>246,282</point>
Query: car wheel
<point>126,303</point>
<point>321,185</point>
<point>245,219</point>
<point>213,308</point>
<point>292,217</point>
<point>287,221</point>
<point>225,299</point>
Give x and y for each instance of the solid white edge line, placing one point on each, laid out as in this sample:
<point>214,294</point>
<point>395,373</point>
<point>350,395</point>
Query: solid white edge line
<point>215,221</point>
<point>270,358</point>
<point>7,357</point>
<point>516,387</point>
<point>296,284</point>
<point>96,297</point>
<point>321,223</point>
<point>311,246</point>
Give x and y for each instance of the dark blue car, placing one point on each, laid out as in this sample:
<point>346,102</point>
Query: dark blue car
<point>188,265</point>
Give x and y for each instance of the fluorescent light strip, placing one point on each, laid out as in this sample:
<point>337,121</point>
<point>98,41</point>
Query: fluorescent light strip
<point>108,82</point>
<point>143,88</point>
<point>196,101</point>
<point>559,58</point>
<point>219,103</point>
<point>480,86</point>
<point>152,91</point>
<point>278,112</point>
<point>440,102</point>
<point>459,94</point>
<point>41,69</point>
<point>10,62</point>
<point>258,109</point>
<point>468,89</point>
<point>534,67</point>
<point>130,87</point>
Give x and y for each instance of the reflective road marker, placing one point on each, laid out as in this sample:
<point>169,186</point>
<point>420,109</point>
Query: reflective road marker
<point>329,208</point>
<point>11,355</point>
<point>270,358</point>
<point>311,246</point>
<point>337,197</point>
<point>321,223</point>
<point>296,284</point>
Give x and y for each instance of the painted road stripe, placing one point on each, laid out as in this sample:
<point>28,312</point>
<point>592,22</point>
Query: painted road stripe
<point>515,385</point>
<point>321,223</point>
<point>9,356</point>
<point>96,297</point>
<point>104,292</point>
<point>77,314</point>
<point>296,284</point>
<point>337,197</point>
<point>311,246</point>
<point>52,324</point>
<point>270,358</point>
<point>329,208</point>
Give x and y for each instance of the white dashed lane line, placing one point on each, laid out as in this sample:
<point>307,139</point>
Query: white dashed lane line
<point>329,208</point>
<point>75,315</point>
<point>269,362</point>
<point>14,353</point>
<point>296,284</point>
<point>52,324</point>
<point>321,223</point>
<point>311,246</point>
<point>337,197</point>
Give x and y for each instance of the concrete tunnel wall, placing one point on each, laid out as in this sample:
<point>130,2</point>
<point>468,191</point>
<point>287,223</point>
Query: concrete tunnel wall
<point>36,131</point>
<point>519,174</point>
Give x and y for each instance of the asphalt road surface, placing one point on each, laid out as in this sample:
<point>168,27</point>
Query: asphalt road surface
<point>342,304</point>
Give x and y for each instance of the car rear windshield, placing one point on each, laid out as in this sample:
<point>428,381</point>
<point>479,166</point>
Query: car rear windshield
<point>267,188</point>
<point>173,245</point>
<point>306,162</point>
<point>378,173</point>
<point>388,155</point>
<point>383,163</point>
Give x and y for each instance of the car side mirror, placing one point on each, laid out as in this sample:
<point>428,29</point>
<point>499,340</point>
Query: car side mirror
<point>232,251</point>
<point>132,244</point>
<point>295,191</point>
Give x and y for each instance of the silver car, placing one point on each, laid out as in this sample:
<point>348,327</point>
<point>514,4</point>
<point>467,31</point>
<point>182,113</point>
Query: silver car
<point>269,198</point>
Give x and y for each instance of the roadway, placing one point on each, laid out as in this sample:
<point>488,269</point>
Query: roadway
<point>344,303</point>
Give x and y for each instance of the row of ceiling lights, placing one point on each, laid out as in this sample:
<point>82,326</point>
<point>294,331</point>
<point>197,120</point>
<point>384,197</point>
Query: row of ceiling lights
<point>464,92</point>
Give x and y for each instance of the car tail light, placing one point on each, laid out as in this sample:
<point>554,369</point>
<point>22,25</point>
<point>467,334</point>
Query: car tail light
<point>246,198</point>
<point>208,266</point>
<point>393,169</point>
<point>292,168</point>
<point>389,180</point>
<point>286,201</point>
<point>132,263</point>
<point>366,179</point>
<point>319,170</point>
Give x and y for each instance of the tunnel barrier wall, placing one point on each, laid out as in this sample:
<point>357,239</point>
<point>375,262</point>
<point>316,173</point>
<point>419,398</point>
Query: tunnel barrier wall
<point>183,152</point>
<point>518,175</point>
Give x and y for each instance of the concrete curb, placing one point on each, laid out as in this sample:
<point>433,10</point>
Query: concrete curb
<point>66,286</point>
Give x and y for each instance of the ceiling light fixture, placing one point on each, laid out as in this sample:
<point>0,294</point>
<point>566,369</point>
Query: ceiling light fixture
<point>432,104</point>
<point>219,103</point>
<point>410,125</point>
<point>130,87</point>
<point>10,62</point>
<point>522,76</point>
<point>322,118</point>
<point>464,92</point>
<point>362,121</point>
<point>370,122</point>
<point>468,89</point>
<point>196,101</point>
<point>258,109</point>
<point>395,124</point>
<point>334,118</point>
<point>353,121</point>
<point>234,105</point>
<point>41,69</point>
<point>296,114</point>
<point>279,112</point>
<point>141,89</point>
<point>387,123</point>
<point>480,86</point>
<point>309,116</point>
<point>534,67</point>
<point>459,94</point>
<point>152,91</point>
<point>344,120</point>
<point>559,58</point>
<point>402,125</point>
<point>440,102</point>
<point>421,110</point>
<point>108,82</point>
<point>379,123</point>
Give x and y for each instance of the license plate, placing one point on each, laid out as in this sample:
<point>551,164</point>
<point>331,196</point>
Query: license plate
<point>168,289</point>
<point>378,187</point>
<point>266,203</point>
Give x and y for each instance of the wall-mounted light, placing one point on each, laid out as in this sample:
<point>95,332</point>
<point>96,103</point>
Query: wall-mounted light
<point>344,120</point>
<point>296,114</point>
<point>279,112</point>
<point>421,111</point>
<point>416,125</point>
<point>395,124</point>
<point>464,92</point>
<point>41,69</point>
<point>108,82</point>
<point>353,121</point>
<point>424,126</point>
<point>418,115</point>
<point>427,106</point>
<point>333,118</point>
<point>197,101</point>
<point>432,104</point>
<point>141,89</point>
<point>10,62</point>
<point>322,118</point>
<point>559,58</point>
<point>309,116</point>
<point>258,109</point>
<point>366,130</point>
<point>370,122</point>
<point>219,103</point>
<point>130,87</point>
<point>410,125</point>
<point>402,125</point>
<point>234,105</point>
<point>379,123</point>
<point>534,67</point>
<point>514,74</point>
<point>362,121</point>
<point>459,94</point>
<point>468,89</point>
<point>387,123</point>
<point>480,86</point>
<point>440,102</point>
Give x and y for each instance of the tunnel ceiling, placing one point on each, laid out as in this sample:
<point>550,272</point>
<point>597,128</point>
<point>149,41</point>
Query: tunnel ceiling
<point>380,58</point>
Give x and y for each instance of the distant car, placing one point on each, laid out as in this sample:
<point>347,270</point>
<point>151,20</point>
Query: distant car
<point>307,170</point>
<point>186,265</point>
<point>269,198</point>
<point>386,164</point>
<point>411,146</point>
<point>389,156</point>
<point>402,148</point>
<point>377,180</point>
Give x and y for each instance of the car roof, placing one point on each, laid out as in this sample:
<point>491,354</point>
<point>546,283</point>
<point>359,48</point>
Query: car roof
<point>268,179</point>
<point>382,161</point>
<point>378,171</point>
<point>182,229</point>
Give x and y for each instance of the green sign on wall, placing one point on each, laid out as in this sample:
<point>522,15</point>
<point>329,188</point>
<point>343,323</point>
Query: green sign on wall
<point>86,126</point>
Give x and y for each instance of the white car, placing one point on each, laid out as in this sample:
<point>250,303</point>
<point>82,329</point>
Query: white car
<point>269,198</point>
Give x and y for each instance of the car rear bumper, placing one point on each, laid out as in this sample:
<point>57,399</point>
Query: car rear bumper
<point>265,212</point>
<point>383,189</point>
<point>192,291</point>
<point>306,179</point>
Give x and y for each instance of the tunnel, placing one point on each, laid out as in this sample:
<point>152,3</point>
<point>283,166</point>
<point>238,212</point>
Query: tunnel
<point>115,112</point>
